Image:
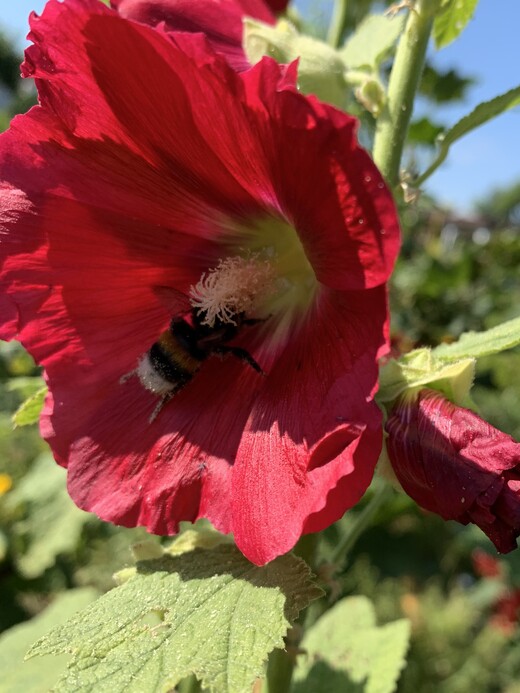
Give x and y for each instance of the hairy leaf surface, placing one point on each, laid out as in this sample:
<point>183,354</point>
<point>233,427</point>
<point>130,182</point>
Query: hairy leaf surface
<point>207,612</point>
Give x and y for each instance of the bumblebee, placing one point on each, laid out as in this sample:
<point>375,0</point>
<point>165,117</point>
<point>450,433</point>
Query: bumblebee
<point>174,359</point>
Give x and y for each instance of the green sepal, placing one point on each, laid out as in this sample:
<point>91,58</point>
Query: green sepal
<point>371,95</point>
<point>449,368</point>
<point>320,67</point>
<point>421,368</point>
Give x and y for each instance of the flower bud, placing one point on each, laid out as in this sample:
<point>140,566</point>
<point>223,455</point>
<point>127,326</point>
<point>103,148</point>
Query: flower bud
<point>506,612</point>
<point>455,464</point>
<point>320,67</point>
<point>371,95</point>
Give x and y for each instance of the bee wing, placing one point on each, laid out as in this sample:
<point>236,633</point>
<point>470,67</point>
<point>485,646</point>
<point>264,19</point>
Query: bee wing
<point>174,300</point>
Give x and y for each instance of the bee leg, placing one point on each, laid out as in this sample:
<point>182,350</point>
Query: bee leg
<point>160,404</point>
<point>241,354</point>
<point>124,378</point>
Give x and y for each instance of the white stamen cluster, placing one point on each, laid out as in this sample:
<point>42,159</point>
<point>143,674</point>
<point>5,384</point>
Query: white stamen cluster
<point>237,285</point>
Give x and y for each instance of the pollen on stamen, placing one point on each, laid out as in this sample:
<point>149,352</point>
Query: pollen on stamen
<point>237,285</point>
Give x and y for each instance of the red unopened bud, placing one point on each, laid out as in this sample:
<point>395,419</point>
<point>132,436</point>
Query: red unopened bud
<point>455,464</point>
<point>506,612</point>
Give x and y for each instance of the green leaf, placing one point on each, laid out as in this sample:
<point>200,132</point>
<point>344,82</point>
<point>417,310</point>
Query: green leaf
<point>372,41</point>
<point>452,20</point>
<point>423,131</point>
<point>49,524</point>
<point>29,412</point>
<point>480,115</point>
<point>478,344</point>
<point>207,612</point>
<point>346,651</point>
<point>38,675</point>
<point>443,86</point>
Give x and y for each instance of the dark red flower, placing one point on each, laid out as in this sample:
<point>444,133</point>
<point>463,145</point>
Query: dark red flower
<point>220,20</point>
<point>277,6</point>
<point>153,175</point>
<point>506,612</point>
<point>453,463</point>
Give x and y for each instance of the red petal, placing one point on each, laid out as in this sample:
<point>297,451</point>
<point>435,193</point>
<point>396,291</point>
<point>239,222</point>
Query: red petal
<point>293,154</point>
<point>314,436</point>
<point>144,150</point>
<point>154,474</point>
<point>325,181</point>
<point>220,20</point>
<point>76,279</point>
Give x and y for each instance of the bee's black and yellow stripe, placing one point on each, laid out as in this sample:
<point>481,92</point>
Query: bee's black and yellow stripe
<point>172,361</point>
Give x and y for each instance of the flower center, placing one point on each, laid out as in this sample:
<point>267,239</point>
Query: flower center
<point>267,274</point>
<point>237,285</point>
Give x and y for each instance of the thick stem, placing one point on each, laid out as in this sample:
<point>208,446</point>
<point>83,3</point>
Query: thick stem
<point>392,125</point>
<point>189,685</point>
<point>281,662</point>
<point>279,672</point>
<point>338,23</point>
<point>364,519</point>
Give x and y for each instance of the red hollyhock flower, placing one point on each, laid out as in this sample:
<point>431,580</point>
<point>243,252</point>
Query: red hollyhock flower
<point>453,463</point>
<point>154,178</point>
<point>278,5</point>
<point>220,20</point>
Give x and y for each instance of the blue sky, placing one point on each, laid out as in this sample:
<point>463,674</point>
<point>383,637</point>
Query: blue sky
<point>488,50</point>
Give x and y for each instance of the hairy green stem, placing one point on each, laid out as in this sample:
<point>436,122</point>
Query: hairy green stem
<point>392,125</point>
<point>364,519</point>
<point>338,23</point>
<point>189,685</point>
<point>279,672</point>
<point>281,662</point>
